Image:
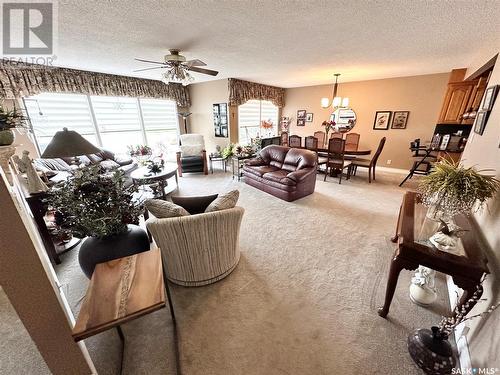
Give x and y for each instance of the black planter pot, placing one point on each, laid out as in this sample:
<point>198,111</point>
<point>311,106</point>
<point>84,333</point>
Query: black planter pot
<point>431,352</point>
<point>98,250</point>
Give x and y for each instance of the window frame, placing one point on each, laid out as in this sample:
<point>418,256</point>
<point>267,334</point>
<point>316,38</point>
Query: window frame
<point>98,132</point>
<point>260,119</point>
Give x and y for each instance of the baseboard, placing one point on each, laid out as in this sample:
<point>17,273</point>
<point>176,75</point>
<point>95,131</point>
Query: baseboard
<point>460,331</point>
<point>393,170</point>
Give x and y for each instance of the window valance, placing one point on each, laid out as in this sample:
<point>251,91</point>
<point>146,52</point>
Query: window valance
<point>241,91</point>
<point>21,80</point>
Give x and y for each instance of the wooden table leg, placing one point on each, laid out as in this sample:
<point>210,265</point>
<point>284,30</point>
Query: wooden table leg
<point>122,341</point>
<point>396,266</point>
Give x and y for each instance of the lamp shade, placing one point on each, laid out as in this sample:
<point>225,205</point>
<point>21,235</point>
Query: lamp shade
<point>325,102</point>
<point>68,143</point>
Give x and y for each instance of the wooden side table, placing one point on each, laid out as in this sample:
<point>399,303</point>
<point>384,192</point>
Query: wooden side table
<point>466,268</point>
<point>122,290</point>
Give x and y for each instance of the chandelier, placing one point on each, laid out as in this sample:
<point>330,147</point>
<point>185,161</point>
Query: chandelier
<point>337,101</point>
<point>177,74</point>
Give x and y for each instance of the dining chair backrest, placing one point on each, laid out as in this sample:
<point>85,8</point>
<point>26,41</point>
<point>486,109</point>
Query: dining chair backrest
<point>311,143</point>
<point>378,152</point>
<point>294,141</point>
<point>336,149</point>
<point>270,141</point>
<point>320,135</point>
<point>352,141</point>
<point>336,135</point>
<point>284,138</point>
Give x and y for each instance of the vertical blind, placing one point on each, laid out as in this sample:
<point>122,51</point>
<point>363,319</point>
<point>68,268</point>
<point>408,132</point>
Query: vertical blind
<point>250,116</point>
<point>109,122</point>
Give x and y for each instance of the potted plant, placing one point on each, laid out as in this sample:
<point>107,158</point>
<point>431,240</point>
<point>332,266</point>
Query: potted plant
<point>9,119</point>
<point>451,189</point>
<point>98,206</point>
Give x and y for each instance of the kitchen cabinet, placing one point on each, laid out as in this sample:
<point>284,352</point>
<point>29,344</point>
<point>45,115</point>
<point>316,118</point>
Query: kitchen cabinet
<point>456,101</point>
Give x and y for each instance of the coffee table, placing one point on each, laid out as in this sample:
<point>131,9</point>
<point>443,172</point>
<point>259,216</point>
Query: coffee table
<point>142,176</point>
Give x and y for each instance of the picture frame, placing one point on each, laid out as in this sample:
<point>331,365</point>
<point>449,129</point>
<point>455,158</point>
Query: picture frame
<point>480,122</point>
<point>301,114</point>
<point>301,122</point>
<point>490,96</point>
<point>309,117</point>
<point>400,119</point>
<point>382,120</point>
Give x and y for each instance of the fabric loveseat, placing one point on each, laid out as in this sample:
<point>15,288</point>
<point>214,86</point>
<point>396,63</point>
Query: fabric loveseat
<point>286,173</point>
<point>106,159</point>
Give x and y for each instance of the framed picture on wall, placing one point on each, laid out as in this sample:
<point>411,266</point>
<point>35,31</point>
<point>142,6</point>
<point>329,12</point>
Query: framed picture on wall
<point>309,117</point>
<point>480,122</point>
<point>301,122</point>
<point>301,114</point>
<point>382,119</point>
<point>400,119</point>
<point>489,98</point>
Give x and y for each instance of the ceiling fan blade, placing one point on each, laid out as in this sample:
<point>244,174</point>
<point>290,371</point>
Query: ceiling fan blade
<point>156,67</point>
<point>149,61</point>
<point>195,62</point>
<point>202,70</point>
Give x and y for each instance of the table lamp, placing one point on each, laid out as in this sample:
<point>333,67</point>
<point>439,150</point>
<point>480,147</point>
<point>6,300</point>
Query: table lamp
<point>68,143</point>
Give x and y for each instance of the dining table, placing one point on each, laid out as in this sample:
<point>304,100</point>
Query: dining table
<point>349,154</point>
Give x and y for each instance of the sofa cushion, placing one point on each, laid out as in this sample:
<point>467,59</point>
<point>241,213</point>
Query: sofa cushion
<point>163,209</point>
<point>194,205</point>
<point>298,158</point>
<point>278,185</point>
<point>275,176</point>
<point>274,155</point>
<point>109,164</point>
<point>224,201</point>
<point>95,159</point>
<point>259,170</point>
<point>191,150</point>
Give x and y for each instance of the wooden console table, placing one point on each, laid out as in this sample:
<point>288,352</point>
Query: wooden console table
<point>467,267</point>
<point>122,290</point>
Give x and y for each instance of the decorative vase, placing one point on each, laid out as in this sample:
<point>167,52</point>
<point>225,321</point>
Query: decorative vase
<point>98,250</point>
<point>431,351</point>
<point>6,137</point>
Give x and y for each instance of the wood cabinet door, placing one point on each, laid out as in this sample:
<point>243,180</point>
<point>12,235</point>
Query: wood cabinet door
<point>455,102</point>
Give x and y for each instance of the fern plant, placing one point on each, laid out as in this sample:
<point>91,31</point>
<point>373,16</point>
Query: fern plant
<point>454,189</point>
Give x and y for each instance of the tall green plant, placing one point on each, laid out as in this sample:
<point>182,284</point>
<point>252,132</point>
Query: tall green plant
<point>94,204</point>
<point>454,189</point>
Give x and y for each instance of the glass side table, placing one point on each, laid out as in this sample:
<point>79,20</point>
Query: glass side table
<point>237,164</point>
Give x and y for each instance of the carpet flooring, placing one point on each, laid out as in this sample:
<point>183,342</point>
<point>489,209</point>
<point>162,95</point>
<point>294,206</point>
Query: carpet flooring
<point>303,299</point>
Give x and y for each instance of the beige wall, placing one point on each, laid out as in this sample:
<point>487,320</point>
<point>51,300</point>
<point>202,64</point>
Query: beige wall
<point>483,152</point>
<point>203,96</point>
<point>421,95</point>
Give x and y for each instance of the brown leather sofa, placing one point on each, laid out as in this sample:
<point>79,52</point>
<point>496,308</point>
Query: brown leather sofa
<point>286,173</point>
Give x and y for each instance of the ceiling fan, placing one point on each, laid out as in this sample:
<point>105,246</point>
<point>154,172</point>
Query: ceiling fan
<point>178,68</point>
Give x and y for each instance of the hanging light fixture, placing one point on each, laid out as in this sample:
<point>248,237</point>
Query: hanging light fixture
<point>337,101</point>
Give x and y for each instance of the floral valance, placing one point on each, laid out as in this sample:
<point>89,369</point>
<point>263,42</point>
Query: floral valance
<point>21,80</point>
<point>242,91</point>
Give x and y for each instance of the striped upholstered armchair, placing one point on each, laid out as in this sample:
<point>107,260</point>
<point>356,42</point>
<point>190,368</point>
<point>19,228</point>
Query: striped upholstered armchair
<point>198,249</point>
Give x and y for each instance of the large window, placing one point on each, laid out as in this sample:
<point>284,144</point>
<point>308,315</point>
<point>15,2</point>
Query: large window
<point>109,122</point>
<point>250,116</point>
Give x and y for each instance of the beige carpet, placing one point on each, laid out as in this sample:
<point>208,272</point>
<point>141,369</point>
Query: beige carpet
<point>303,299</point>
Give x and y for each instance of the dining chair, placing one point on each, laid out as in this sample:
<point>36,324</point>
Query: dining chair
<point>365,163</point>
<point>336,135</point>
<point>336,149</point>
<point>311,143</point>
<point>321,138</point>
<point>284,138</point>
<point>351,141</point>
<point>294,141</point>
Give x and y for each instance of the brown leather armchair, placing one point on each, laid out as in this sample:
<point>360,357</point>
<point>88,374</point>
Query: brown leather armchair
<point>286,173</point>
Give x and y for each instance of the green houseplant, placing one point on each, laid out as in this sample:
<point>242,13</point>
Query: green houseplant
<point>453,189</point>
<point>9,119</point>
<point>100,207</point>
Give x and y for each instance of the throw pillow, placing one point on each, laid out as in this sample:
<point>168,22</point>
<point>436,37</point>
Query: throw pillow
<point>190,150</point>
<point>163,209</point>
<point>195,205</point>
<point>109,164</point>
<point>224,201</point>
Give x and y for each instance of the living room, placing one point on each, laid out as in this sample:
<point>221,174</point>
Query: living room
<point>231,189</point>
